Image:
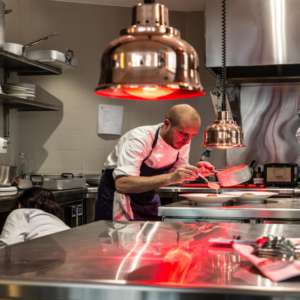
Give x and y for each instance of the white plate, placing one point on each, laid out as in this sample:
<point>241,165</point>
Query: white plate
<point>4,194</point>
<point>251,195</point>
<point>207,198</point>
<point>8,189</point>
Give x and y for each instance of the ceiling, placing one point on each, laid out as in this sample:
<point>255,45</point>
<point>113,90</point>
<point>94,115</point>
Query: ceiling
<point>180,5</point>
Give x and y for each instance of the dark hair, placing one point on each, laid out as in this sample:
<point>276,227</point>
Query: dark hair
<point>37,197</point>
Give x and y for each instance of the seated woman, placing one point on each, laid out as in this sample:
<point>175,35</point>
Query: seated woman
<point>36,216</point>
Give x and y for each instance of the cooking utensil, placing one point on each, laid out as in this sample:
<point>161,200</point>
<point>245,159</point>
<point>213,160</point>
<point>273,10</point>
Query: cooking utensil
<point>53,57</point>
<point>36,42</point>
<point>233,175</point>
<point>7,175</point>
<point>19,49</point>
<point>210,184</point>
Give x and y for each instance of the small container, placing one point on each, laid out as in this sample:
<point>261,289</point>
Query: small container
<point>258,176</point>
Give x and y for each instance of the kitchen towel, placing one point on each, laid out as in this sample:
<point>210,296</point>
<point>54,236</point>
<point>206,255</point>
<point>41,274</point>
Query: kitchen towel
<point>274,269</point>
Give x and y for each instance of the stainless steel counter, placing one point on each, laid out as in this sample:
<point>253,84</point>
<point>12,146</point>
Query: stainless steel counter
<point>150,260</point>
<point>290,192</point>
<point>274,209</point>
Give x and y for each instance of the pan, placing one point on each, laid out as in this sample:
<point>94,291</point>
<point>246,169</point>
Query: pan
<point>228,177</point>
<point>234,175</point>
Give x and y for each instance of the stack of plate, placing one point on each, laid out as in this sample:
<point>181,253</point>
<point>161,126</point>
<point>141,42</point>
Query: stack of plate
<point>8,191</point>
<point>20,90</point>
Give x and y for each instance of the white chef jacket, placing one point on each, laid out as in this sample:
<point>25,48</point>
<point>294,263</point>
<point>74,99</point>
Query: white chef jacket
<point>129,154</point>
<point>24,224</point>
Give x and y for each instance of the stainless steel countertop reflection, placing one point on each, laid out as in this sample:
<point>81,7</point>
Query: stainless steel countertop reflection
<point>153,259</point>
<point>287,191</point>
<point>283,209</point>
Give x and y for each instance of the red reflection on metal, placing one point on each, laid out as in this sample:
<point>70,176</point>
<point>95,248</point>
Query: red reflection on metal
<point>175,266</point>
<point>181,262</point>
<point>149,93</point>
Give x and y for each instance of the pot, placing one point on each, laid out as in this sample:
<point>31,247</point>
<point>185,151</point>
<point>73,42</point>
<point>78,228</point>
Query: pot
<point>234,175</point>
<point>19,49</point>
<point>7,175</point>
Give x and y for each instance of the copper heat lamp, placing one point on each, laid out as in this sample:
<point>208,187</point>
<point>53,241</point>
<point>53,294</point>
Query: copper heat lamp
<point>149,61</point>
<point>224,133</point>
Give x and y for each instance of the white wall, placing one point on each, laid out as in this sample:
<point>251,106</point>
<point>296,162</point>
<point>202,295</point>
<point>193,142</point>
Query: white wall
<point>54,142</point>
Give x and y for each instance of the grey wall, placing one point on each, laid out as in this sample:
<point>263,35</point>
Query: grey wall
<point>67,141</point>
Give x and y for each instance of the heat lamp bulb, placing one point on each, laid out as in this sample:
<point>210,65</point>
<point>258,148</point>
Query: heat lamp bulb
<point>149,92</point>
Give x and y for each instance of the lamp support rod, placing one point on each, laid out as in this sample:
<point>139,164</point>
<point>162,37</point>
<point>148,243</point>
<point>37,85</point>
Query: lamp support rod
<point>224,71</point>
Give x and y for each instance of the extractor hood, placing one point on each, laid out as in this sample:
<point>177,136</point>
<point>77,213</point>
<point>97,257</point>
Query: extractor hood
<point>263,40</point>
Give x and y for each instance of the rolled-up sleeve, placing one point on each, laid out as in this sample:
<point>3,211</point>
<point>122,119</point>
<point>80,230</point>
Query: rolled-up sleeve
<point>131,154</point>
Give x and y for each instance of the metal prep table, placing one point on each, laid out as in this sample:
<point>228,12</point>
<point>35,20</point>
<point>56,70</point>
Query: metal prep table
<point>135,260</point>
<point>275,210</point>
<point>283,208</point>
<point>173,192</point>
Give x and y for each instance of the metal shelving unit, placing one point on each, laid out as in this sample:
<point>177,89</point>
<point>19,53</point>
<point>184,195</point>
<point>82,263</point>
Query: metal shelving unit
<point>24,66</point>
<point>10,62</point>
<point>26,105</point>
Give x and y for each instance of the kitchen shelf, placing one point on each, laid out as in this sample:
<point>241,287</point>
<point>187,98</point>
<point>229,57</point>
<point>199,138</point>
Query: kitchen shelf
<point>24,66</point>
<point>27,105</point>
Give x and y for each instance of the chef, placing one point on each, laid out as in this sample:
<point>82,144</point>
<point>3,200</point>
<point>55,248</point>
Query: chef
<point>145,159</point>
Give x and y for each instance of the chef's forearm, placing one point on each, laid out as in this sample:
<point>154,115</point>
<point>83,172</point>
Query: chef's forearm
<point>140,184</point>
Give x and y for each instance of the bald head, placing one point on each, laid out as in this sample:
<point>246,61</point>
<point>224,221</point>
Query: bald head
<point>181,123</point>
<point>183,115</point>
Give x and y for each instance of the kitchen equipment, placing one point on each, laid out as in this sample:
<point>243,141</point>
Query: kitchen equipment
<point>38,41</point>
<point>65,181</point>
<point>8,191</point>
<point>209,198</point>
<point>92,179</point>
<point>234,175</point>
<point>20,90</point>
<point>281,174</point>
<point>7,175</point>
<point>19,49</point>
<point>224,133</point>
<point>53,57</point>
<point>14,48</point>
<point>3,145</point>
<point>149,61</point>
<point>210,184</point>
<point>24,183</point>
<point>246,62</point>
<point>3,12</point>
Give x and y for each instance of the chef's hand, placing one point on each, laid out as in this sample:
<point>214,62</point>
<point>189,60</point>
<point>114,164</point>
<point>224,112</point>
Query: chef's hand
<point>184,173</point>
<point>206,168</point>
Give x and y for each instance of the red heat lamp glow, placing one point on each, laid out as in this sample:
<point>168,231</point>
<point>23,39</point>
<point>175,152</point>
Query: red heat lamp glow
<point>148,93</point>
<point>175,266</point>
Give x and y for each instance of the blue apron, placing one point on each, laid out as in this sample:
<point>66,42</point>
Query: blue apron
<point>144,205</point>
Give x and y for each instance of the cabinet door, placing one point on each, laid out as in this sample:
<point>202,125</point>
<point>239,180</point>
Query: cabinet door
<point>74,213</point>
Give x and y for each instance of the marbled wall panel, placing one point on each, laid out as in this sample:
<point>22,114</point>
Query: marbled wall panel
<point>270,121</point>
